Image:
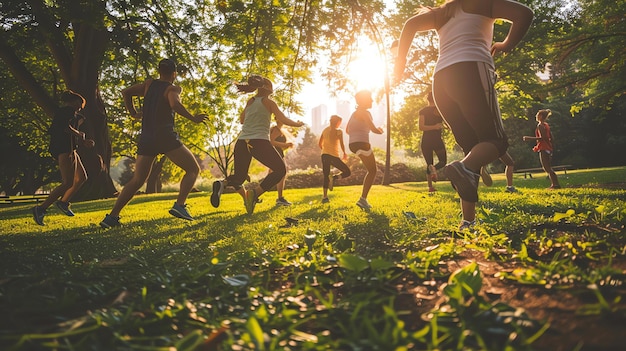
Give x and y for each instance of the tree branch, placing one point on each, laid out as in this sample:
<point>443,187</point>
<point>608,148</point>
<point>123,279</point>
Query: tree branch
<point>25,78</point>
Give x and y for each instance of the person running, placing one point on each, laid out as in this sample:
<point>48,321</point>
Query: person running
<point>280,143</point>
<point>331,141</point>
<point>161,99</point>
<point>464,78</point>
<point>544,146</point>
<point>508,172</point>
<point>254,142</point>
<point>65,137</point>
<point>359,127</point>
<point>431,124</point>
<point>507,160</point>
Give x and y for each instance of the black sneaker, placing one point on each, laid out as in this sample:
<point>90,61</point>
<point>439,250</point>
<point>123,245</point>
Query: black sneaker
<point>218,189</point>
<point>180,211</point>
<point>463,180</point>
<point>110,222</point>
<point>38,214</point>
<point>281,201</point>
<point>64,207</point>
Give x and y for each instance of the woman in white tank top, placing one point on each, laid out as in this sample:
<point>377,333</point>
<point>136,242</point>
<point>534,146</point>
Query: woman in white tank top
<point>463,84</point>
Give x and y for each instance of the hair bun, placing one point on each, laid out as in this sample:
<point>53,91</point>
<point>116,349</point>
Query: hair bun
<point>256,81</point>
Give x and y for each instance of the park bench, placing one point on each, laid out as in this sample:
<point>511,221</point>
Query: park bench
<point>4,199</point>
<point>528,172</point>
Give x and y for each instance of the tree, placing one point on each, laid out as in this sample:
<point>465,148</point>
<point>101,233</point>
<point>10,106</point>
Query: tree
<point>306,154</point>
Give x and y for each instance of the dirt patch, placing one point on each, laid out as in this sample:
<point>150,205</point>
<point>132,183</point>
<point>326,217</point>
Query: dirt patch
<point>569,330</point>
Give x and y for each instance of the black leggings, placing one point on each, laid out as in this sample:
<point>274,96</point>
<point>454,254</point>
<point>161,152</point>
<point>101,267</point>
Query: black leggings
<point>438,148</point>
<point>464,94</point>
<point>262,151</point>
<point>329,160</point>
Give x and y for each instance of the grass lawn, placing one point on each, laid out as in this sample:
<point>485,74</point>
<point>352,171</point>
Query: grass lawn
<point>543,270</point>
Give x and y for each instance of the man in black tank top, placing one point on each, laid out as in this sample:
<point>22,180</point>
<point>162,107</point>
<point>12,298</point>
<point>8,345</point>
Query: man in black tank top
<point>161,101</point>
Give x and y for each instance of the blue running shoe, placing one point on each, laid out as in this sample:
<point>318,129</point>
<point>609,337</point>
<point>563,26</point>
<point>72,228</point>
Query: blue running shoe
<point>64,207</point>
<point>110,222</point>
<point>180,211</point>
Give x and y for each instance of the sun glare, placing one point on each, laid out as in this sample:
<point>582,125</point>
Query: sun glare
<point>367,70</point>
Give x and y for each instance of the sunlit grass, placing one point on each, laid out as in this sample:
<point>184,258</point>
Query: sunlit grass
<point>70,267</point>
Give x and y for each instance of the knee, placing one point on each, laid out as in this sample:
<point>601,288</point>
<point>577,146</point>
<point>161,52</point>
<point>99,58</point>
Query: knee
<point>346,174</point>
<point>280,171</point>
<point>502,145</point>
<point>194,171</point>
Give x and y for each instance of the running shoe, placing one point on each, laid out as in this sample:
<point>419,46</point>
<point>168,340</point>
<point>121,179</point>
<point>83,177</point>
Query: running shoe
<point>325,200</point>
<point>281,201</point>
<point>466,225</point>
<point>218,189</point>
<point>485,176</point>
<point>431,189</point>
<point>180,211</point>
<point>463,180</point>
<point>363,204</point>
<point>331,180</point>
<point>110,222</point>
<point>38,214</point>
<point>553,187</point>
<point>432,173</point>
<point>511,189</point>
<point>250,200</point>
<point>64,207</point>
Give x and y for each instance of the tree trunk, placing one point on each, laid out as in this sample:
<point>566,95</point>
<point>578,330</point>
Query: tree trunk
<point>89,51</point>
<point>153,184</point>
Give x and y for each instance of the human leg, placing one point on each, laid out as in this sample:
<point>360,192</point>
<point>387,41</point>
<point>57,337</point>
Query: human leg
<point>143,165</point>
<point>242,159</point>
<point>369,161</point>
<point>184,159</point>
<point>266,154</point>
<point>431,172</point>
<point>508,171</point>
<point>469,106</point>
<point>326,163</point>
<point>546,162</point>
<point>80,176</point>
<point>66,167</point>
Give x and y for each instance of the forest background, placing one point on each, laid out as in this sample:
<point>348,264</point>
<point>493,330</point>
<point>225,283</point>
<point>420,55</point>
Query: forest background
<point>572,61</point>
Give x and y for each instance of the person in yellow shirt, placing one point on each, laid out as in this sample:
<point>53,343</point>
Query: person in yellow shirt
<point>331,142</point>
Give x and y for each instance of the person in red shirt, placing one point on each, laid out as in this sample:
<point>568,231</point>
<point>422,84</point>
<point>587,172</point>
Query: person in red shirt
<point>544,146</point>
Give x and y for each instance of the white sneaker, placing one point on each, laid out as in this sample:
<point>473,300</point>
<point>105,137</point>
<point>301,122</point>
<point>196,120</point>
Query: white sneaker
<point>363,204</point>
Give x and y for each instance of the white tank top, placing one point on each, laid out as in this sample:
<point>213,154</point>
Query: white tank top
<point>256,123</point>
<point>465,37</point>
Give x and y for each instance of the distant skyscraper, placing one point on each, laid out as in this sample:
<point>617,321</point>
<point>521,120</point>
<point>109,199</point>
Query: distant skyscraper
<point>344,109</point>
<point>318,118</point>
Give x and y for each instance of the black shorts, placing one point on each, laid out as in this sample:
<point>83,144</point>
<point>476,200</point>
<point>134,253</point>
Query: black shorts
<point>360,148</point>
<point>157,146</point>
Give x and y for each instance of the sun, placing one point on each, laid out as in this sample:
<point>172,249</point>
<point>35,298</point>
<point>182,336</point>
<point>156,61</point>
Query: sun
<point>367,69</point>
